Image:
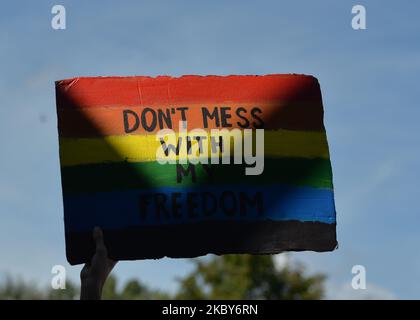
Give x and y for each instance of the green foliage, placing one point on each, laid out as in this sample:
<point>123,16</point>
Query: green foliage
<point>71,292</point>
<point>224,277</point>
<point>248,277</point>
<point>132,290</point>
<point>17,289</point>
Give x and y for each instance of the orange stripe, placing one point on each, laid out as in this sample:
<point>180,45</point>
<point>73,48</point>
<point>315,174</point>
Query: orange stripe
<point>104,121</point>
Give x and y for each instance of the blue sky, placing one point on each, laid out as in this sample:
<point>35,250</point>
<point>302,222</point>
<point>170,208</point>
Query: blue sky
<point>369,81</point>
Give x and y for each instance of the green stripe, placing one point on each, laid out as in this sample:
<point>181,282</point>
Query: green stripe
<point>146,175</point>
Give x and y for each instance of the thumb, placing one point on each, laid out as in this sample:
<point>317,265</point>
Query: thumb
<point>98,236</point>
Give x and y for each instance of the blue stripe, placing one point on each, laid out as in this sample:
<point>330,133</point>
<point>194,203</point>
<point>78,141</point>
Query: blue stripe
<point>116,210</point>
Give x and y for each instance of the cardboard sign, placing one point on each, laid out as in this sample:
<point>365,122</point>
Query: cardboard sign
<point>264,196</point>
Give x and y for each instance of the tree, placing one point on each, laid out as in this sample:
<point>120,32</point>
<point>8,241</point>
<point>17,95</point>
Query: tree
<point>248,277</point>
<point>132,290</point>
<point>18,289</point>
<point>215,277</point>
<point>71,292</point>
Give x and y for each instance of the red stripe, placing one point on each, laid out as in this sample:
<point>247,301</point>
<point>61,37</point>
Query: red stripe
<point>166,91</point>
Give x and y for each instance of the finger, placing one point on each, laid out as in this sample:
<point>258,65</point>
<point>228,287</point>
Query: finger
<point>98,234</point>
<point>84,273</point>
<point>99,241</point>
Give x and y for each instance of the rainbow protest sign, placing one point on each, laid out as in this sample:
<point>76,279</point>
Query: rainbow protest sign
<point>269,193</point>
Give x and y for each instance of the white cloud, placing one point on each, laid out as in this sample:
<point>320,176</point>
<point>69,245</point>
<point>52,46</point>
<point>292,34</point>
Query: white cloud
<point>282,260</point>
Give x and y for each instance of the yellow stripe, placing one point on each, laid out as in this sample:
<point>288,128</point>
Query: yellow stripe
<point>142,148</point>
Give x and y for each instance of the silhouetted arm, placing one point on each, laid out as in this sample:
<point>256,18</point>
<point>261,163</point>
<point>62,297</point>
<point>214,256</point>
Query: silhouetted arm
<point>95,273</point>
